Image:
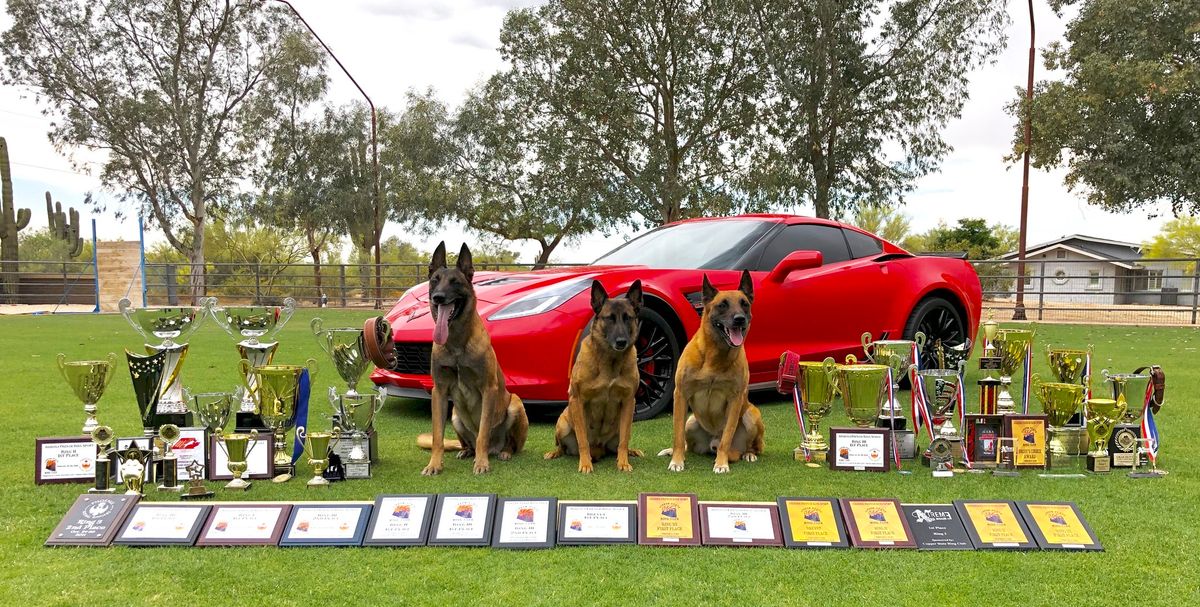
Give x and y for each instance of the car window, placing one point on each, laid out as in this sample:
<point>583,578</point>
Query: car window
<point>801,237</point>
<point>862,245</point>
<point>699,245</point>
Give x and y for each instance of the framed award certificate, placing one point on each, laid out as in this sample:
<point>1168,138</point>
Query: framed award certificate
<point>191,446</point>
<point>328,524</point>
<point>1029,439</point>
<point>859,449</point>
<point>937,527</point>
<point>524,523</point>
<point>260,460</point>
<point>812,522</point>
<point>163,525</point>
<point>93,520</point>
<point>69,459</point>
<point>238,524</point>
<point>668,519</point>
<point>995,525</point>
<point>581,523</point>
<point>1058,526</point>
<point>400,520</point>
<point>740,524</point>
<point>983,434</point>
<point>877,523</point>
<point>463,520</point>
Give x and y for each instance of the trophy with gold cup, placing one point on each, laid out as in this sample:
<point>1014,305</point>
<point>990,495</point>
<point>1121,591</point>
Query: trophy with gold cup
<point>133,468</point>
<point>1102,415</point>
<point>316,447</point>
<point>897,354</point>
<point>1127,432</point>
<point>1069,366</point>
<point>817,382</point>
<point>864,390</point>
<point>1012,345</point>
<point>276,392</point>
<point>237,447</point>
<point>171,327</point>
<point>254,328</point>
<point>88,380</point>
<point>212,409</point>
<point>1059,402</point>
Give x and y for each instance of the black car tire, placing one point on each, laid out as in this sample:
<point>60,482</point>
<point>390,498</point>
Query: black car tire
<point>938,319</point>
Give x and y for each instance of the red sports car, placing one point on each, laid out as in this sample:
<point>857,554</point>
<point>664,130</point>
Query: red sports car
<point>818,285</point>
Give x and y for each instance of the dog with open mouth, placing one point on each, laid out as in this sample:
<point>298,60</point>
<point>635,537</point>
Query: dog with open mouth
<point>713,380</point>
<point>604,382</point>
<point>486,417</point>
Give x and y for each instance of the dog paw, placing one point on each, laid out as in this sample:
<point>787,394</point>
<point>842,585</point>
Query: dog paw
<point>482,467</point>
<point>555,454</point>
<point>665,452</point>
<point>585,467</point>
<point>637,453</point>
<point>464,454</point>
<point>721,469</point>
<point>675,466</point>
<point>749,457</point>
<point>624,467</point>
<point>504,456</point>
<point>431,470</point>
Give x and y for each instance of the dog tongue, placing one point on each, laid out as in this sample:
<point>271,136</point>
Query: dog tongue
<point>736,336</point>
<point>441,326</point>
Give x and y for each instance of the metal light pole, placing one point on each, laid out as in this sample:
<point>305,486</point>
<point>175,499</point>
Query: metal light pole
<point>1019,308</point>
<point>374,149</point>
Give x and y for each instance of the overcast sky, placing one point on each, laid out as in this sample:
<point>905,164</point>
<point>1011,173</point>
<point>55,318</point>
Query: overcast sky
<point>392,46</point>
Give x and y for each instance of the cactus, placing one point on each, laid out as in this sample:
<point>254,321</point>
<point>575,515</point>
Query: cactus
<point>12,221</point>
<point>64,229</point>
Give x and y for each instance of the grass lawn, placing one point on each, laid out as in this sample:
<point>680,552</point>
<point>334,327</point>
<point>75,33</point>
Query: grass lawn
<point>1149,527</point>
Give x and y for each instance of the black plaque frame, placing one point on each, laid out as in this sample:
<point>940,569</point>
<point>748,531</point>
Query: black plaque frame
<point>485,538</point>
<point>121,507</point>
<point>193,531</point>
<point>1040,537</point>
<point>551,523</point>
<point>379,511</point>
<point>786,523</point>
<point>631,525</point>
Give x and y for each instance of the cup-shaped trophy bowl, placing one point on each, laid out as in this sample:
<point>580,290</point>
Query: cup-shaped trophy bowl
<point>168,325</point>
<point>864,391</point>
<point>1059,400</point>
<point>898,354</point>
<point>817,382</point>
<point>88,380</point>
<point>276,392</point>
<point>1012,344</point>
<point>1129,389</point>
<point>940,387</point>
<point>253,324</point>
<point>944,356</point>
<point>237,447</point>
<point>1067,364</point>
<point>345,347</point>
<point>212,409</point>
<point>316,447</point>
<point>1102,415</point>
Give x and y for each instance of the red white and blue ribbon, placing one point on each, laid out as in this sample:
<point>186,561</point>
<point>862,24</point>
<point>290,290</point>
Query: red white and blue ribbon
<point>1149,428</point>
<point>1025,379</point>
<point>920,400</point>
<point>1087,387</point>
<point>800,418</point>
<point>961,396</point>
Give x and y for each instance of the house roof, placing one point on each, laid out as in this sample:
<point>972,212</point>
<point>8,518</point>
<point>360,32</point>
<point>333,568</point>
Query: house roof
<point>1090,246</point>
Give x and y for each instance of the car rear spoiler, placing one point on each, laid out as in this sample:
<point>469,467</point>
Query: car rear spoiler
<point>950,254</point>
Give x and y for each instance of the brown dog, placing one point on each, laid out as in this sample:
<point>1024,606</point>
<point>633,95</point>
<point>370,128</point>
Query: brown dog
<point>713,379</point>
<point>599,413</point>
<point>487,419</point>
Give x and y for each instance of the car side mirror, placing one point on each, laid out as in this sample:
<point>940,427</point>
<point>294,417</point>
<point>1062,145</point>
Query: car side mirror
<point>795,261</point>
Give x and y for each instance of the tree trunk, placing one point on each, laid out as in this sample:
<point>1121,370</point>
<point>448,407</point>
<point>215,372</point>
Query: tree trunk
<point>197,281</point>
<point>544,256</point>
<point>314,249</point>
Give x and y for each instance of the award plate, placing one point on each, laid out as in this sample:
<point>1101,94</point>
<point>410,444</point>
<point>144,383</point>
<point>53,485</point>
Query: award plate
<point>668,519</point>
<point>740,524</point>
<point>812,522</point>
<point>93,520</point>
<point>326,524</point>
<point>153,524</point>
<point>1029,439</point>
<point>1059,526</point>
<point>400,520</point>
<point>994,525</point>
<point>937,527</point>
<point>463,520</point>
<point>877,523</point>
<point>260,459</point>
<point>859,449</point>
<point>69,459</point>
<point>192,446</point>
<point>1123,445</point>
<point>983,434</point>
<point>524,522</point>
<point>244,524</point>
<point>582,523</point>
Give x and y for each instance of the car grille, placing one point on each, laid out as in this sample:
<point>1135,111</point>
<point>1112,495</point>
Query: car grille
<point>413,358</point>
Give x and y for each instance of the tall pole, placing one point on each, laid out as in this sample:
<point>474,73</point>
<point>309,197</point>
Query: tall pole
<point>1019,308</point>
<point>377,212</point>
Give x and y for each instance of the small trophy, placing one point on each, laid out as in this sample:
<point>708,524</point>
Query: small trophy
<point>1011,344</point>
<point>991,360</point>
<point>1145,453</point>
<point>168,434</point>
<point>276,391</point>
<point>195,488</point>
<point>1102,415</point>
<point>940,388</point>
<point>212,409</point>
<point>255,328</point>
<point>316,447</point>
<point>1006,457</point>
<point>103,437</point>
<point>88,379</point>
<point>344,345</point>
<point>133,468</point>
<point>169,326</point>
<point>236,448</point>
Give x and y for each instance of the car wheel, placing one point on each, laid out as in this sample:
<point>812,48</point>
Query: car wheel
<point>939,320</point>
<point>657,351</point>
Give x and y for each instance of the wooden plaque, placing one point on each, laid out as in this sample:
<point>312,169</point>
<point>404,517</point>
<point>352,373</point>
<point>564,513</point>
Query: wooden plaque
<point>812,522</point>
<point>877,523</point>
<point>67,459</point>
<point>668,519</point>
<point>158,524</point>
<point>93,520</point>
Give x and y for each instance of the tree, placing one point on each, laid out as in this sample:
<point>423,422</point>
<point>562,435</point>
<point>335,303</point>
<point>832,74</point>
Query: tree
<point>160,86</point>
<point>1178,238</point>
<point>662,92</point>
<point>1123,119</point>
<point>858,92</point>
<point>972,236</point>
<point>888,223</point>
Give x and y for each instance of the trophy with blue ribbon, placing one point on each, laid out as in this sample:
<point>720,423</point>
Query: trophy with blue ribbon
<point>281,395</point>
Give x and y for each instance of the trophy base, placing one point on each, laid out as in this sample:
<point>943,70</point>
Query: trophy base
<point>817,458</point>
<point>896,423</point>
<point>196,496</point>
<point>237,484</point>
<point>1123,445</point>
<point>943,473</point>
<point>1003,472</point>
<point>1099,463</point>
<point>108,491</point>
<point>170,489</point>
<point>906,440</point>
<point>317,481</point>
<point>355,468</point>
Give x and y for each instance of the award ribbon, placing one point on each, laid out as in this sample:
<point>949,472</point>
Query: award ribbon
<point>920,401</point>
<point>961,396</point>
<point>1025,378</point>
<point>895,442</point>
<point>1149,428</point>
<point>800,417</point>
<point>1087,387</point>
<point>302,393</point>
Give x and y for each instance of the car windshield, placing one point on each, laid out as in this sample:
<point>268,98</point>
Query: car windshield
<point>694,245</point>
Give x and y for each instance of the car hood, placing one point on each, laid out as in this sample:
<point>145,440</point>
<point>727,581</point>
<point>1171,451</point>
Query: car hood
<point>493,290</point>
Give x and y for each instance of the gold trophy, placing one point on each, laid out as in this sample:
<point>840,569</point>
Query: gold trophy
<point>195,486</point>
<point>237,447</point>
<point>276,391</point>
<point>1102,415</point>
<point>1011,343</point>
<point>817,382</point>
<point>1067,364</point>
<point>1059,402</point>
<point>990,328</point>
<point>212,409</point>
<point>897,354</point>
<point>316,447</point>
<point>941,394</point>
<point>133,468</point>
<point>170,326</point>
<point>168,434</point>
<point>103,437</point>
<point>864,390</point>
<point>88,379</point>
<point>255,328</point>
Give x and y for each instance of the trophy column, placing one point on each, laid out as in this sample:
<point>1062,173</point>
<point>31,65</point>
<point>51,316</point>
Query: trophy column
<point>171,408</point>
<point>258,354</point>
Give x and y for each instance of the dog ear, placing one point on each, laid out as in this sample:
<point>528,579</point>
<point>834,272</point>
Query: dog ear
<point>746,286</point>
<point>635,295</point>
<point>599,296</point>
<point>708,292</point>
<point>439,258</point>
<point>464,263</point>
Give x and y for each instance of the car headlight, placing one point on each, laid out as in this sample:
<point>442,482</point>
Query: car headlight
<point>543,300</point>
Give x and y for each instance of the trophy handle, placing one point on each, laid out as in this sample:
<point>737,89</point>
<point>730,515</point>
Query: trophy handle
<point>920,339</point>
<point>311,364</point>
<point>827,365</point>
<point>126,308</point>
<point>1035,379</point>
<point>866,344</point>
<point>316,325</point>
<point>246,367</point>
<point>851,360</point>
<point>302,436</point>
<point>333,399</point>
<point>62,364</point>
<point>379,399</point>
<point>285,314</point>
<point>334,438</point>
<point>253,443</point>
<point>112,368</point>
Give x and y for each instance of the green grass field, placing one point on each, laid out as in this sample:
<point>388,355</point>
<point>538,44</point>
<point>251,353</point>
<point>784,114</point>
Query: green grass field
<point>1148,527</point>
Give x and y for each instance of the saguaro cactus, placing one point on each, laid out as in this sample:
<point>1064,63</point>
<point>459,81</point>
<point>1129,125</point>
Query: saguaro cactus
<point>12,221</point>
<point>63,228</point>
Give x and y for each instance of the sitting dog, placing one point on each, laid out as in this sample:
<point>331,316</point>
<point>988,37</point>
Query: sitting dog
<point>713,379</point>
<point>599,411</point>
<point>487,418</point>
